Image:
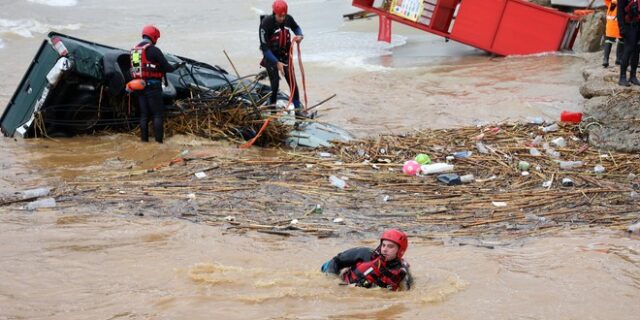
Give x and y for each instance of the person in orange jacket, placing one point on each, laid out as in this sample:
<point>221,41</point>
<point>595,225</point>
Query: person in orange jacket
<point>612,34</point>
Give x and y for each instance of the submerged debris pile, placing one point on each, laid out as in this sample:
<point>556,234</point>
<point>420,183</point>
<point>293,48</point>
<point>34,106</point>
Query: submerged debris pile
<point>527,179</point>
<point>224,115</point>
<point>235,113</point>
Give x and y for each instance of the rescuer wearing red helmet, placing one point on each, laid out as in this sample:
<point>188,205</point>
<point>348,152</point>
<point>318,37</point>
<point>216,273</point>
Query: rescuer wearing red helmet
<point>275,42</point>
<point>383,267</point>
<point>149,64</point>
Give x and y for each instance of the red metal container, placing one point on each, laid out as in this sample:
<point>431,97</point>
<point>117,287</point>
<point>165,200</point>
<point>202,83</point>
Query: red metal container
<point>502,27</point>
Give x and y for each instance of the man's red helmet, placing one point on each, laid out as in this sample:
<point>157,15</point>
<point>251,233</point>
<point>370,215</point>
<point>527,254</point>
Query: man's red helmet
<point>152,32</point>
<point>280,7</point>
<point>399,238</point>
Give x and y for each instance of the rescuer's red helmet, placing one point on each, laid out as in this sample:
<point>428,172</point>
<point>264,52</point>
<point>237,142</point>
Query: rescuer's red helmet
<point>399,238</point>
<point>280,7</point>
<point>152,32</point>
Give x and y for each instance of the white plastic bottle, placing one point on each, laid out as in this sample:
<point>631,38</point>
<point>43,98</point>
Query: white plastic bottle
<point>42,203</point>
<point>570,164</point>
<point>552,128</point>
<point>35,193</point>
<point>337,182</point>
<point>436,168</point>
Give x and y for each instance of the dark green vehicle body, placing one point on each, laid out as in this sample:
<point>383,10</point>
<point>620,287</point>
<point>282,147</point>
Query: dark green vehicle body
<point>97,77</point>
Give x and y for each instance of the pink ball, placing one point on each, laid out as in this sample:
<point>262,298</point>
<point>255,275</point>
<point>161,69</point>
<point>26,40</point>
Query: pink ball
<point>411,168</point>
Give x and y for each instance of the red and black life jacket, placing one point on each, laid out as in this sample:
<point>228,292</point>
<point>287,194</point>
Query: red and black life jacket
<point>141,67</point>
<point>377,272</point>
<point>631,13</point>
<point>280,43</point>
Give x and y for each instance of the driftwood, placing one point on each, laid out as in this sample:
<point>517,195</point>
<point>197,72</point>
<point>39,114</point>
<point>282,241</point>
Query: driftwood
<point>268,192</point>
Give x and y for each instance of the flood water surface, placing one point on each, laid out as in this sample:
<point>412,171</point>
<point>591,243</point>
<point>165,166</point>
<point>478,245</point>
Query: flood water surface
<point>79,265</point>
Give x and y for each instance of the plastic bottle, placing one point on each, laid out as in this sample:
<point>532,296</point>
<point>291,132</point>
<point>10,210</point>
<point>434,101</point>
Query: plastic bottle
<point>467,178</point>
<point>537,120</point>
<point>534,152</point>
<point>523,165</point>
<point>565,165</point>
<point>482,148</point>
<point>537,141</point>
<point>337,182</point>
<point>436,168</point>
<point>63,64</point>
<point>450,179</point>
<point>634,228</point>
<point>559,142</point>
<point>552,128</point>
<point>462,154</point>
<point>550,151</point>
<point>42,203</point>
<point>566,182</point>
<point>35,193</point>
<point>59,46</point>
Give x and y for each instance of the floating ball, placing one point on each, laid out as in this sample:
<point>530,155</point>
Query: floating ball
<point>411,168</point>
<point>423,159</point>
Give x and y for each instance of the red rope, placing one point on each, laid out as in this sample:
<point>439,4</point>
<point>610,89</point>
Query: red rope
<point>304,81</point>
<point>292,90</point>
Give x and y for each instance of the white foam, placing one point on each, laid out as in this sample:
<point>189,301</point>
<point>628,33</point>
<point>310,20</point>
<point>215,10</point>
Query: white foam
<point>1,44</point>
<point>349,49</point>
<point>27,27</point>
<point>258,12</point>
<point>56,3</point>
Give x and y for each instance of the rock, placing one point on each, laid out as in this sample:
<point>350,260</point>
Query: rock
<point>614,125</point>
<point>600,82</point>
<point>595,103</point>
<point>591,33</point>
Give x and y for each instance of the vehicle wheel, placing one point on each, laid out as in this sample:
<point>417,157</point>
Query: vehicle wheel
<point>82,114</point>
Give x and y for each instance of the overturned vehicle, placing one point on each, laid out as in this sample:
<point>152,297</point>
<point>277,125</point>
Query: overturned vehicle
<point>77,87</point>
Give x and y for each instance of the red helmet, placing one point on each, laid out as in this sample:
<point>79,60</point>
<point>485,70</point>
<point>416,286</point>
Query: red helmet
<point>152,32</point>
<point>280,7</point>
<point>399,238</point>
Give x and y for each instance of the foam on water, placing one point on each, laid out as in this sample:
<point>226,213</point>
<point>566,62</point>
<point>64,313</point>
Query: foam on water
<point>349,49</point>
<point>56,3</point>
<point>27,27</point>
<point>258,11</point>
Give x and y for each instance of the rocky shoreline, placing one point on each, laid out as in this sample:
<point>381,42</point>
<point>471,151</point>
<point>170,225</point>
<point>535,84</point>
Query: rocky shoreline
<point>612,112</point>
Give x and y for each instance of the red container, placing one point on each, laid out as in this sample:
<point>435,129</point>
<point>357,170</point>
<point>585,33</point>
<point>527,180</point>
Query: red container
<point>573,117</point>
<point>502,27</point>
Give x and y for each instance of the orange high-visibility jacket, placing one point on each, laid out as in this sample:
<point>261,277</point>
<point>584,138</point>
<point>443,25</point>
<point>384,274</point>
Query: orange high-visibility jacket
<point>612,21</point>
